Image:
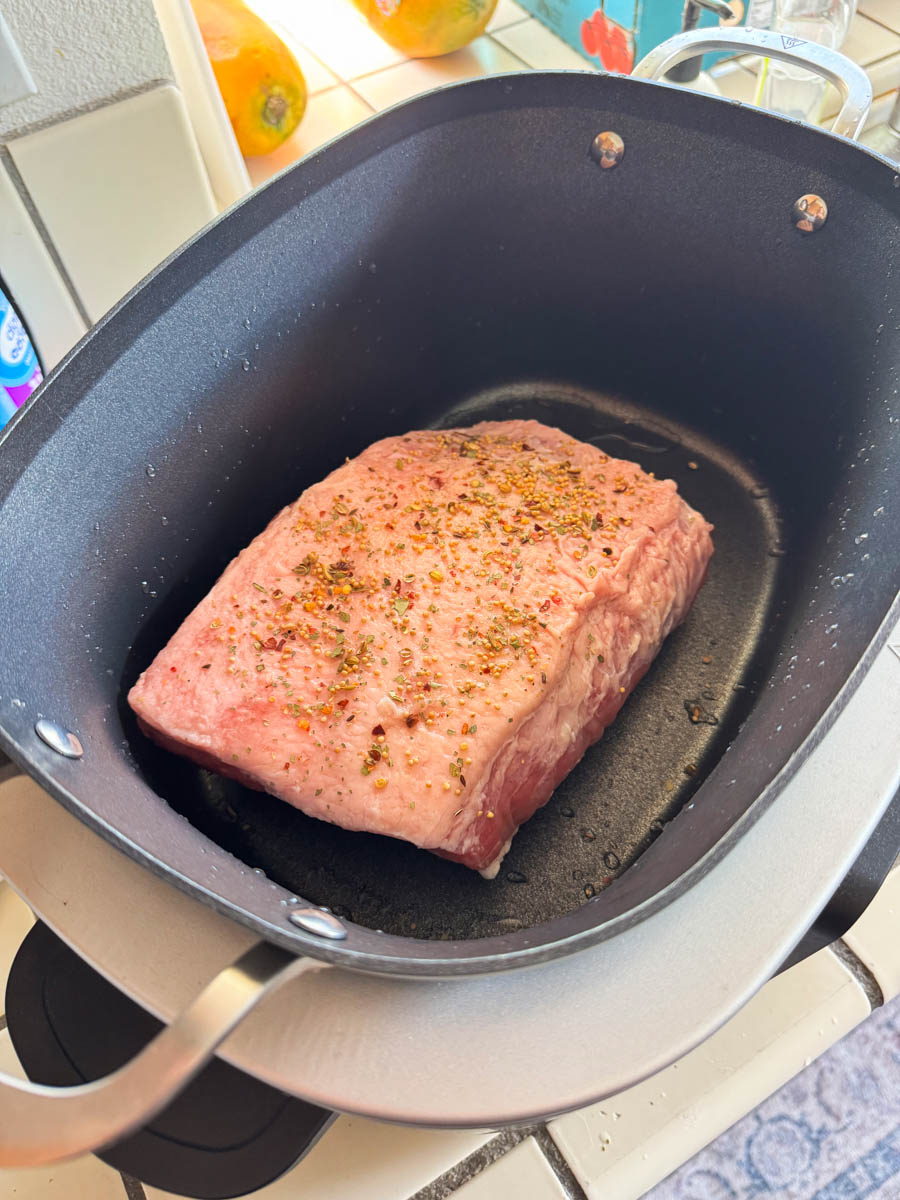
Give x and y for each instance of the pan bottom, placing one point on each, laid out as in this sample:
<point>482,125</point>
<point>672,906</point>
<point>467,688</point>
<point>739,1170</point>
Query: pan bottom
<point>668,736</point>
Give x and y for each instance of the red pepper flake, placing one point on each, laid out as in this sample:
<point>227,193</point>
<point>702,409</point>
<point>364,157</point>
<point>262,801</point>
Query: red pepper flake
<point>343,703</point>
<point>378,731</point>
<point>287,766</point>
<point>545,606</point>
<point>173,668</point>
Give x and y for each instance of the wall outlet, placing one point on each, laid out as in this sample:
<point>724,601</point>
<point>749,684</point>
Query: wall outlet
<point>15,78</point>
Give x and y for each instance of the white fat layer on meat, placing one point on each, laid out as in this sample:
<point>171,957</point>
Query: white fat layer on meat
<point>493,869</point>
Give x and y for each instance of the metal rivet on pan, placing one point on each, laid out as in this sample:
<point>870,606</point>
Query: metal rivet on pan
<point>810,213</point>
<point>317,921</point>
<point>58,738</point>
<point>607,149</point>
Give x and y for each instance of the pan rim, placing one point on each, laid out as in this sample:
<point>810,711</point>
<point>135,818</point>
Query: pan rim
<point>485,957</point>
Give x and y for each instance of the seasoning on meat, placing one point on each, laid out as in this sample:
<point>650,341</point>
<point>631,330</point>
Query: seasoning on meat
<point>427,641</point>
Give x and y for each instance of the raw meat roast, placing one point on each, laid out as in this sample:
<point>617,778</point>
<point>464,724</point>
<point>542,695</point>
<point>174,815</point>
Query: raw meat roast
<point>426,642</point>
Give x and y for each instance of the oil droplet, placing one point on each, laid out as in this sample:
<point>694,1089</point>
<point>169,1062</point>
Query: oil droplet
<point>372,268</point>
<point>861,537</point>
<point>145,586</point>
<point>245,364</point>
<point>879,511</point>
<point>164,520</point>
<point>150,471</point>
<point>246,322</point>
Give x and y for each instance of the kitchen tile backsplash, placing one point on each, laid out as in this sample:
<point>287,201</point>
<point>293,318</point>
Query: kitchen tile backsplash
<point>81,55</point>
<point>118,189</point>
<point>34,280</point>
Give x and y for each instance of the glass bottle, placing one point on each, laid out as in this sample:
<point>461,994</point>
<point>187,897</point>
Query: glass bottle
<point>791,90</point>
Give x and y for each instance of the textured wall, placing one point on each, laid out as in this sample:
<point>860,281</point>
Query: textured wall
<point>80,53</point>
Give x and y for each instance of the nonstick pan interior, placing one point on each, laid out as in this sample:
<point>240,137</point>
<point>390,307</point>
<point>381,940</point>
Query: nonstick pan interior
<point>464,256</point>
<point>617,800</point>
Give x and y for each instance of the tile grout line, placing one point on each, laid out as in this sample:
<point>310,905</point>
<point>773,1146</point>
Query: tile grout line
<point>512,24</point>
<point>82,110</point>
<point>880,24</point>
<point>393,66</point>
<point>491,1152</point>
<point>559,1164</point>
<point>360,97</point>
<point>15,178</point>
<point>860,973</point>
<point>134,1189</point>
<point>325,67</point>
<point>472,1165</point>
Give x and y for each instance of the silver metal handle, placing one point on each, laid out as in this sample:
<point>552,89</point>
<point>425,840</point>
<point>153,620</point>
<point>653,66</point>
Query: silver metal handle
<point>850,80</point>
<point>41,1124</point>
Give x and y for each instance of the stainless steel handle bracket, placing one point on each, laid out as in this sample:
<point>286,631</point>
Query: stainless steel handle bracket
<point>850,80</point>
<point>41,1124</point>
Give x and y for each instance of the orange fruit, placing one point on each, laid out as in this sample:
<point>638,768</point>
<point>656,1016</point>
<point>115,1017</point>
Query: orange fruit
<point>260,80</point>
<point>425,28</point>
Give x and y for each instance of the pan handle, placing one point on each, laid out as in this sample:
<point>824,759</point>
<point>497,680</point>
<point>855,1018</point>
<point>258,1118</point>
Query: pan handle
<point>40,1124</point>
<point>850,80</point>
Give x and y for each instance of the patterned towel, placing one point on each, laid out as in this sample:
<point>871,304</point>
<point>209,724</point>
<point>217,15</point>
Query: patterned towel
<point>832,1133</point>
